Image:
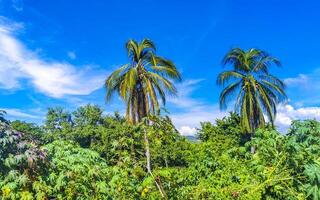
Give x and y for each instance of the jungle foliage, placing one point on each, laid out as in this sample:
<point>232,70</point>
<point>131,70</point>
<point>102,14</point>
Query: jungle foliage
<point>86,154</point>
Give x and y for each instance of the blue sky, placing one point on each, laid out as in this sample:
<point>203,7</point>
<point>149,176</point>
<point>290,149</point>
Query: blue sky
<point>58,53</point>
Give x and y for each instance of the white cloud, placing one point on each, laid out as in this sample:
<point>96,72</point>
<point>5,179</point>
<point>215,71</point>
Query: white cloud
<point>287,113</point>
<point>306,84</point>
<point>55,79</point>
<point>300,79</point>
<point>11,112</point>
<point>192,111</point>
<point>72,55</point>
<point>187,121</point>
<point>185,89</point>
<point>187,131</point>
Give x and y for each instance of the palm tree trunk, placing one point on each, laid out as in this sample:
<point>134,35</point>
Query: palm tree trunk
<point>147,149</point>
<point>148,166</point>
<point>142,112</point>
<point>253,148</point>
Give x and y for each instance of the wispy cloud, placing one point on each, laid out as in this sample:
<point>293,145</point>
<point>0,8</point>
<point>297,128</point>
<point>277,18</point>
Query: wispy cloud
<point>307,84</point>
<point>192,110</point>
<point>17,5</point>
<point>17,113</point>
<point>188,121</point>
<point>55,79</point>
<point>184,98</point>
<point>72,55</point>
<point>301,79</point>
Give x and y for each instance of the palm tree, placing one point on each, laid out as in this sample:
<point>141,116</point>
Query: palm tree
<point>2,114</point>
<point>143,80</point>
<point>256,92</point>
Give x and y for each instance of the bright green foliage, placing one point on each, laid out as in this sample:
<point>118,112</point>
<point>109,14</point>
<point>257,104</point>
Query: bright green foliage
<point>226,128</point>
<point>312,171</point>
<point>257,92</point>
<point>87,124</point>
<point>57,124</point>
<point>88,155</point>
<point>270,164</point>
<point>303,144</point>
<point>143,80</point>
<point>168,148</point>
<point>56,119</point>
<point>74,172</point>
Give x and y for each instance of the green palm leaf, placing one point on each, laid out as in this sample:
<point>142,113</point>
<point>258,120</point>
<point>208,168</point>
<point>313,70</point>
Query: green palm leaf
<point>141,81</point>
<point>258,91</point>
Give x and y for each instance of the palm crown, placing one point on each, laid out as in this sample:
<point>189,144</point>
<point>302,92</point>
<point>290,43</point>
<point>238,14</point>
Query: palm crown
<point>2,113</point>
<point>143,80</point>
<point>257,92</point>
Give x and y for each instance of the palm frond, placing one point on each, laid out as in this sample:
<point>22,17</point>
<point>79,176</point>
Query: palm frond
<point>225,76</point>
<point>227,92</point>
<point>145,78</point>
<point>260,92</point>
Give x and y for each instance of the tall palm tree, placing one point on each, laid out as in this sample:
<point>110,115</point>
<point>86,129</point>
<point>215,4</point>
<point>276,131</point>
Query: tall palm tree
<point>143,80</point>
<point>256,91</point>
<point>140,82</point>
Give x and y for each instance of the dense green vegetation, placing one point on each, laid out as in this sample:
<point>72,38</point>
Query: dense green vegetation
<point>86,154</point>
